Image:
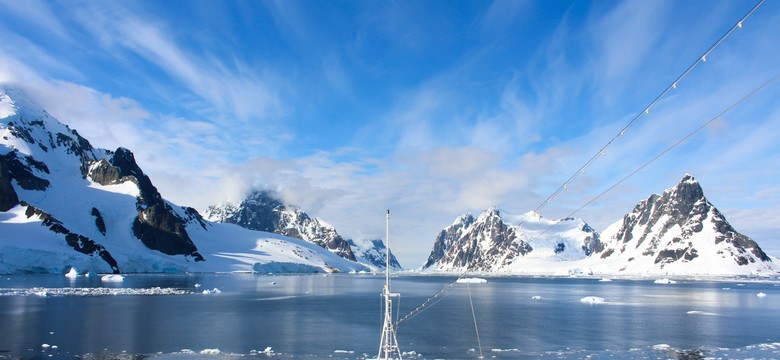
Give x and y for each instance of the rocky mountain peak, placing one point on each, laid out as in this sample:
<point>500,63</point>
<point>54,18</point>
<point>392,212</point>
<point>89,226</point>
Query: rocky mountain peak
<point>263,210</point>
<point>677,227</point>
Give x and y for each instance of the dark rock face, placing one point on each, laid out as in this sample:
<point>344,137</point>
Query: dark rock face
<point>477,244</point>
<point>157,224</point>
<point>8,197</point>
<point>78,242</point>
<point>99,221</point>
<point>262,211</point>
<point>159,228</point>
<point>591,242</point>
<point>21,170</point>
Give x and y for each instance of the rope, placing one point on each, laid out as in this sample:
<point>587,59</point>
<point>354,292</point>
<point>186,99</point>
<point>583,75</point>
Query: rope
<point>662,153</point>
<point>474,315</point>
<point>428,302</point>
<point>646,110</point>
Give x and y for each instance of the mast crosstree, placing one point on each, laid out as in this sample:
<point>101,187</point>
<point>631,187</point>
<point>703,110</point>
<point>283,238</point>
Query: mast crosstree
<point>388,345</point>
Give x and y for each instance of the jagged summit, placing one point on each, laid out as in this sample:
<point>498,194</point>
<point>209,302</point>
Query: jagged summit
<point>495,242</point>
<point>679,231</point>
<point>264,210</point>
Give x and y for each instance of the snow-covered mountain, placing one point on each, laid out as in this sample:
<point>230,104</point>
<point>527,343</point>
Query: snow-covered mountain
<point>373,253</point>
<point>678,232</point>
<point>492,244</point>
<point>262,210</point>
<point>64,203</point>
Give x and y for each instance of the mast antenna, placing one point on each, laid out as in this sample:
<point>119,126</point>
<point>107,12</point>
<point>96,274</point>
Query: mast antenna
<point>388,345</point>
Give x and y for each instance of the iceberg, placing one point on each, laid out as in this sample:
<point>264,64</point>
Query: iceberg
<point>592,300</point>
<point>112,278</point>
<point>472,281</point>
<point>665,281</point>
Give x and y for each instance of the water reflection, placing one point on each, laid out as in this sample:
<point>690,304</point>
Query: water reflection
<point>316,315</point>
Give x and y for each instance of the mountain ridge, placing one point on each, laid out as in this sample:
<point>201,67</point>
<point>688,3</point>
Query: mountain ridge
<point>66,204</point>
<point>263,210</point>
<point>678,232</point>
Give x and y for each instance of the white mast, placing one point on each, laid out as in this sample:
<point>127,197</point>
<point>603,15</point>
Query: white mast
<point>388,345</point>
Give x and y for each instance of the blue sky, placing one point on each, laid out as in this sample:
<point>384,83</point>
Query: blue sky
<point>430,108</point>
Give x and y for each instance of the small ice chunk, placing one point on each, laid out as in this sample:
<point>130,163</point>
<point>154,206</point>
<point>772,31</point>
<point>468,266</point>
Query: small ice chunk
<point>665,281</point>
<point>472,281</point>
<point>661,347</point>
<point>592,300</point>
<point>698,312</point>
<point>212,291</point>
<point>268,350</point>
<point>45,346</point>
<point>54,346</point>
<point>112,278</point>
<point>605,280</point>
<point>197,286</point>
<point>536,297</point>
<point>343,352</point>
<point>761,294</point>
<point>72,274</point>
<point>210,352</point>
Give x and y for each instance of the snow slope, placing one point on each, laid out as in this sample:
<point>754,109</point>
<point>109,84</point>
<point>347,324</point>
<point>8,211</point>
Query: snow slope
<point>65,204</point>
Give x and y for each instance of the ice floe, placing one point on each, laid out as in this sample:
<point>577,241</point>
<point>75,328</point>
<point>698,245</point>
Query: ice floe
<point>536,297</point>
<point>36,291</point>
<point>72,274</point>
<point>592,300</point>
<point>698,312</point>
<point>665,281</point>
<point>761,294</point>
<point>212,291</point>
<point>210,352</point>
<point>112,278</point>
<point>605,280</point>
<point>472,281</point>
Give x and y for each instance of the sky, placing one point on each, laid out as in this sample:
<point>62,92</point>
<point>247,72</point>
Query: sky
<point>431,109</point>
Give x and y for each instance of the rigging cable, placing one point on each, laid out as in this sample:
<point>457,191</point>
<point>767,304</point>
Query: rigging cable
<point>662,153</point>
<point>646,110</point>
<point>474,315</point>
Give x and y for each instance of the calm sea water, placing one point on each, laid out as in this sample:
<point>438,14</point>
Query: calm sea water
<point>338,316</point>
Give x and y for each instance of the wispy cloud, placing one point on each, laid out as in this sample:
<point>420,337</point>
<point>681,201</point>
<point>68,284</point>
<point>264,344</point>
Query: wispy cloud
<point>442,114</point>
